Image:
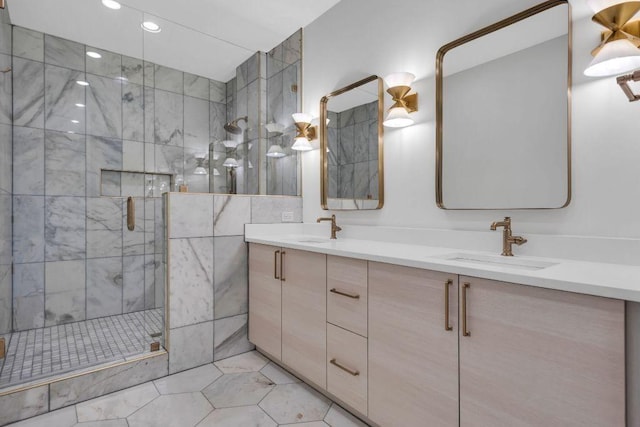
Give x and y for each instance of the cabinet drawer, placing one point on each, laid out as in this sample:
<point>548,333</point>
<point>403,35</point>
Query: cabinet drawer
<point>347,367</point>
<point>347,293</point>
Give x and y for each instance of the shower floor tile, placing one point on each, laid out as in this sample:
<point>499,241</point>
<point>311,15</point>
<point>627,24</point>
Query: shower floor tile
<point>53,350</point>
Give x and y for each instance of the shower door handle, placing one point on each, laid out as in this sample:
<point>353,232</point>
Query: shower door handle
<point>131,214</point>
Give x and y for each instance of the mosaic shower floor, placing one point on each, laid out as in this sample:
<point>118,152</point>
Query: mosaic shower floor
<point>54,350</point>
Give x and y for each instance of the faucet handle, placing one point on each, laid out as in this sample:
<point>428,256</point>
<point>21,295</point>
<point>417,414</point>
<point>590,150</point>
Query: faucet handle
<point>518,240</point>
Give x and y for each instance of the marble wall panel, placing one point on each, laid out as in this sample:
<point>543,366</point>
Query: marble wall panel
<point>5,229</point>
<point>346,147</point>
<point>6,90</point>
<point>133,270</point>
<point>28,161</point>
<point>149,226</point>
<point>64,292</point>
<point>28,296</point>
<point>190,215</point>
<point>132,184</point>
<point>160,280</point>
<point>28,229</point>
<point>275,112</point>
<point>217,91</point>
<point>132,70</point>
<point>268,210</point>
<point>104,287</point>
<point>231,337</point>
<point>150,281</point>
<point>65,227</point>
<point>104,106</point>
<point>292,48</point>
<point>133,112</point>
<point>345,181</point>
<point>28,44</point>
<point>361,142</point>
<point>191,278</point>
<point>133,241</point>
<point>169,118</point>
<point>6,298</point>
<point>133,155</point>
<point>63,53</point>
<point>196,86</point>
<point>190,346</point>
<point>73,390</point>
<point>290,97</point>
<point>28,93</point>
<point>64,164</point>
<point>231,283</point>
<point>169,159</point>
<point>230,214</point>
<point>196,123</point>
<point>361,180</point>
<point>149,72</point>
<point>104,227</point>
<point>5,33</point>
<point>149,117</point>
<point>373,140</point>
<point>62,94</point>
<point>102,153</point>
<point>159,226</point>
<point>109,65</point>
<point>373,179</point>
<point>24,404</point>
<point>217,119</point>
<point>6,148</point>
<point>169,79</point>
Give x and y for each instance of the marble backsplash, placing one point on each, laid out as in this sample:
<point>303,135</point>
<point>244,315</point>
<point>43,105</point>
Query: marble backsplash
<point>208,272</point>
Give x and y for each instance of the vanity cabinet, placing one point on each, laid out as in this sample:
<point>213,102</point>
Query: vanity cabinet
<point>413,347</point>
<point>540,357</point>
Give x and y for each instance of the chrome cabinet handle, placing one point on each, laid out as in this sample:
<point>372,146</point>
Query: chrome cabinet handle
<point>447,285</point>
<point>282,254</point>
<point>465,331</point>
<point>344,293</point>
<point>344,368</point>
<point>275,265</point>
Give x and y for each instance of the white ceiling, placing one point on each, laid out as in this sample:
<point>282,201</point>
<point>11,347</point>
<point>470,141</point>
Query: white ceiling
<point>204,37</point>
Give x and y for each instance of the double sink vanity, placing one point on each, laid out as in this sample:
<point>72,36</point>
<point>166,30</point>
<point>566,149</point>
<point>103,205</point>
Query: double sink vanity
<point>405,334</point>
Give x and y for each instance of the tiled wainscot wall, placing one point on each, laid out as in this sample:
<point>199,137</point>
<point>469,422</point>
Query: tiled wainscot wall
<point>208,272</point>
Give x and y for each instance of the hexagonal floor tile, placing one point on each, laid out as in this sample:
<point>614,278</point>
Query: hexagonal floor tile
<point>339,417</point>
<point>173,410</point>
<point>62,417</point>
<point>241,416</point>
<point>295,403</point>
<point>238,389</point>
<point>278,375</point>
<point>120,404</point>
<point>188,381</point>
<point>245,362</point>
<point>121,422</point>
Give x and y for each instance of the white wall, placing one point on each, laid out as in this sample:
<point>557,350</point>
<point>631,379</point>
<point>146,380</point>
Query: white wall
<point>357,38</point>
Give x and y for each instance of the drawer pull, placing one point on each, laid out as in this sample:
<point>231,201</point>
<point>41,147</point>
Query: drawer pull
<point>275,265</point>
<point>465,331</point>
<point>344,293</point>
<point>344,368</point>
<point>282,254</point>
<point>447,285</point>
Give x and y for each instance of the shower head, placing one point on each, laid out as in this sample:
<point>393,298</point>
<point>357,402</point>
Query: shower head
<point>232,126</point>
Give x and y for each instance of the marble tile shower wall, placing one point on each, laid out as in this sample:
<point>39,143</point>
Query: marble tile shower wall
<point>353,152</point>
<point>74,258</point>
<point>208,269</point>
<point>6,143</point>
<point>283,82</point>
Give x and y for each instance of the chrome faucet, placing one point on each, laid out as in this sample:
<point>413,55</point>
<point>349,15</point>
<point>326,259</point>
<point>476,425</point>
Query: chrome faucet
<point>507,239</point>
<point>334,227</point>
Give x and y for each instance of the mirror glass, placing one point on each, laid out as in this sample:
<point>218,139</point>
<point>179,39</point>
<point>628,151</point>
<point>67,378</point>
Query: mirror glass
<point>503,114</point>
<point>351,135</point>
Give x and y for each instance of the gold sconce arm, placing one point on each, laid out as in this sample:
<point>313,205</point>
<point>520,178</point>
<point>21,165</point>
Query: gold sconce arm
<point>623,81</point>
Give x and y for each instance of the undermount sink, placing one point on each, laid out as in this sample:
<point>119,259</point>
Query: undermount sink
<point>310,239</point>
<point>500,261</point>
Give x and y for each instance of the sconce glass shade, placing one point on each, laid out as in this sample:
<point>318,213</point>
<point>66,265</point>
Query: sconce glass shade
<point>230,143</point>
<point>598,5</point>
<point>216,172</point>
<point>301,144</point>
<point>399,79</point>
<point>397,118</point>
<point>200,171</point>
<point>302,117</point>
<point>230,162</point>
<point>616,57</point>
<point>275,151</point>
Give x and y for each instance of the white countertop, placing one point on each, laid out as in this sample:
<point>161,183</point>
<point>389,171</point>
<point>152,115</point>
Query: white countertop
<point>586,277</point>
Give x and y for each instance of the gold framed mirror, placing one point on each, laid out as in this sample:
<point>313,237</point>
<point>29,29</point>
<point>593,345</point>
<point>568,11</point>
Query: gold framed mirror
<point>351,147</point>
<point>503,114</point>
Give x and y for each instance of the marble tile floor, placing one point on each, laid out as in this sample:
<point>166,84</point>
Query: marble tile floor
<point>53,350</point>
<point>242,391</point>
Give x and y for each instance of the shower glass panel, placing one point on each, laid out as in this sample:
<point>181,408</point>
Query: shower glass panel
<point>81,182</point>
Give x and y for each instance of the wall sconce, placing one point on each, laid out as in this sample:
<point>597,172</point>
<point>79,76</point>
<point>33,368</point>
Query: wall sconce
<point>404,103</point>
<point>275,151</point>
<point>230,162</point>
<point>306,132</point>
<point>200,167</point>
<point>618,52</point>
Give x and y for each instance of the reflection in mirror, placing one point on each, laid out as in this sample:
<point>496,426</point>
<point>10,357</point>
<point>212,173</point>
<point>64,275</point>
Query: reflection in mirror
<point>352,155</point>
<point>503,114</point>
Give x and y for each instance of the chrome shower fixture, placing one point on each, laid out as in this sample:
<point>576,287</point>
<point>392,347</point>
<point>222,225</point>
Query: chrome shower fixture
<point>232,126</point>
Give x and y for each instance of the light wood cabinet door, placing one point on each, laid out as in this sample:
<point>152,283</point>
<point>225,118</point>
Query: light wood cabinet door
<point>347,293</point>
<point>265,304</point>
<point>347,367</point>
<point>413,358</point>
<point>540,357</point>
<point>304,314</point>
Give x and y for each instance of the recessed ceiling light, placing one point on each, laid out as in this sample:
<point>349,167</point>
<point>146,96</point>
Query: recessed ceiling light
<point>150,26</point>
<point>111,4</point>
<point>75,121</point>
<point>80,105</point>
<point>82,83</point>
<point>94,55</point>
